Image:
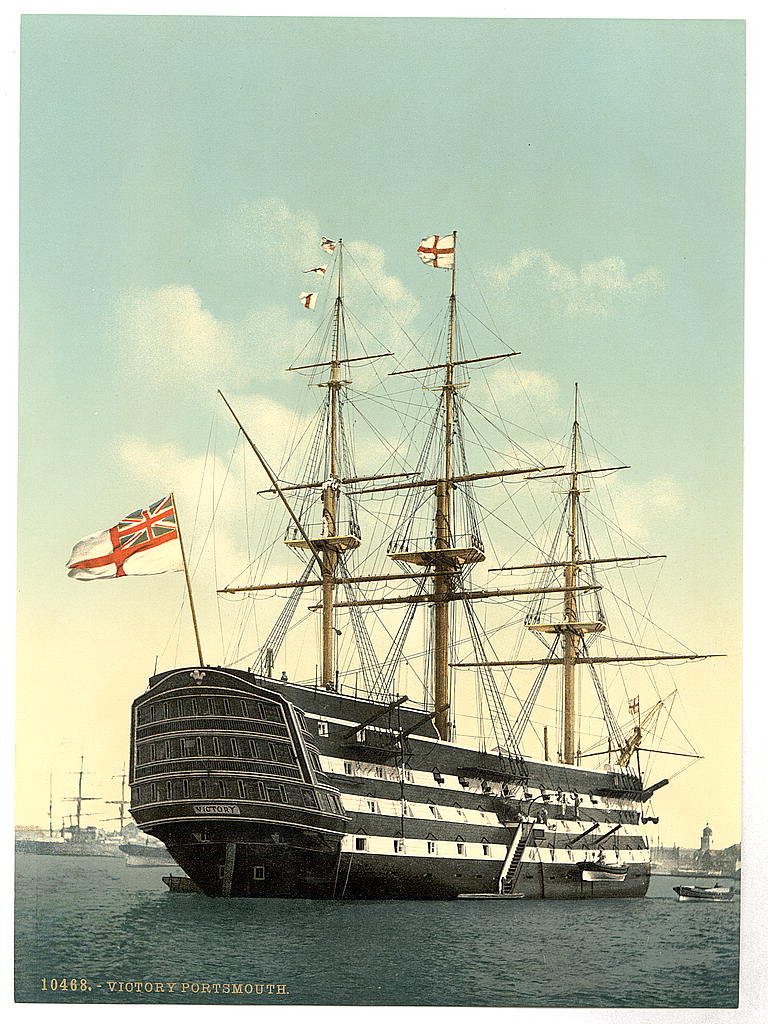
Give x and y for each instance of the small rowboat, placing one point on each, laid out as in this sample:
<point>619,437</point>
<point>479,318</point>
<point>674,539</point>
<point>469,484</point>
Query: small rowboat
<point>715,894</point>
<point>600,871</point>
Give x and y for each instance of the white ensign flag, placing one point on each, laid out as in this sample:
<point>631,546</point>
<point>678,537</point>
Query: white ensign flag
<point>143,543</point>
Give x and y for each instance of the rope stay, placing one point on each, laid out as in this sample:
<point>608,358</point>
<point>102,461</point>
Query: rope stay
<point>508,748</point>
<point>273,643</point>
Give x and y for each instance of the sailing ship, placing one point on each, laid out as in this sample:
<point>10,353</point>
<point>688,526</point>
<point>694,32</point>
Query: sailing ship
<point>265,787</point>
<point>74,839</point>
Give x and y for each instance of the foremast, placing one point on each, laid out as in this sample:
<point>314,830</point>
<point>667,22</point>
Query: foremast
<point>330,540</point>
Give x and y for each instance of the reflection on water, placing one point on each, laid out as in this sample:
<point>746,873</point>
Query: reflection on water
<point>99,919</point>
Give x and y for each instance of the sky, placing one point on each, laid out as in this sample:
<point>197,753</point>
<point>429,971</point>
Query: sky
<point>176,176</point>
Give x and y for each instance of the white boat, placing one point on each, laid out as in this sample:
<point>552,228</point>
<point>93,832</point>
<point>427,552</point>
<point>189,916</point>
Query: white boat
<point>714,894</point>
<point>600,871</point>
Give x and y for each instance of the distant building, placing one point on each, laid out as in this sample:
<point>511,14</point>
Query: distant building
<point>706,840</point>
<point>671,860</point>
<point>704,853</point>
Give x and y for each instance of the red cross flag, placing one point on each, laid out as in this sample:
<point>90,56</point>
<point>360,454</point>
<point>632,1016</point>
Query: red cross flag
<point>327,245</point>
<point>308,299</point>
<point>634,706</point>
<point>437,251</point>
<point>144,543</point>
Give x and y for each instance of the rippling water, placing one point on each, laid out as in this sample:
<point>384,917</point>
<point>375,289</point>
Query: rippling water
<point>97,919</point>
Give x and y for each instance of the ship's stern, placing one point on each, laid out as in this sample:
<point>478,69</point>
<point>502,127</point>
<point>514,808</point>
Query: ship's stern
<point>226,775</point>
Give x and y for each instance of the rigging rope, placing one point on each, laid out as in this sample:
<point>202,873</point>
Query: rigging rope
<point>506,742</point>
<point>275,639</point>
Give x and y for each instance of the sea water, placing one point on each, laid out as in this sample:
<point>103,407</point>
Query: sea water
<point>93,930</point>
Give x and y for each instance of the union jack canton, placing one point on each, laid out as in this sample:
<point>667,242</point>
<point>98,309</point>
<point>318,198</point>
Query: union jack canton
<point>146,528</point>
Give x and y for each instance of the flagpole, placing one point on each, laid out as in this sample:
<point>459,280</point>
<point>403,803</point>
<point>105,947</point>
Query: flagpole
<point>189,585</point>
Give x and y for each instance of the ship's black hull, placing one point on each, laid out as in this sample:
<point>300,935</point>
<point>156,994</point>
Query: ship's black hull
<point>286,871</point>
<point>348,810</point>
<point>258,862</point>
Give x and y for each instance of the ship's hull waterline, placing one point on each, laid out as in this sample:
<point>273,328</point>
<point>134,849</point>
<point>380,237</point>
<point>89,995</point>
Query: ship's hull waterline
<point>260,788</point>
<point>292,872</point>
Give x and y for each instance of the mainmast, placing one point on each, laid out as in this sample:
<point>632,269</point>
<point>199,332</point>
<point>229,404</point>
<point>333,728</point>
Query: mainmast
<point>570,635</point>
<point>450,553</point>
<point>447,555</point>
<point>443,522</point>
<point>445,559</point>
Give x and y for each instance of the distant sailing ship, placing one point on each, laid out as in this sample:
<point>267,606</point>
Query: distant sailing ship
<point>265,787</point>
<point>75,839</point>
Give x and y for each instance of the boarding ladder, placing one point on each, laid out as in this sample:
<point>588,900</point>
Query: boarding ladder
<point>513,861</point>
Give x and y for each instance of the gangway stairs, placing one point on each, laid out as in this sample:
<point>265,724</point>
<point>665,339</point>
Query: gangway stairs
<point>514,859</point>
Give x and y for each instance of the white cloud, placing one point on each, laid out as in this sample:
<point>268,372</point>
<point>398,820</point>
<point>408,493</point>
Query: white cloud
<point>165,467</point>
<point>371,261</point>
<point>641,507</point>
<point>291,237</point>
<point>270,339</point>
<point>167,337</point>
<point>272,426</point>
<point>590,291</point>
<point>507,382</point>
<point>170,340</point>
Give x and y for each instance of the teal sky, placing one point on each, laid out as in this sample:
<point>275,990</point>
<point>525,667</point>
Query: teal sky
<point>176,174</point>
